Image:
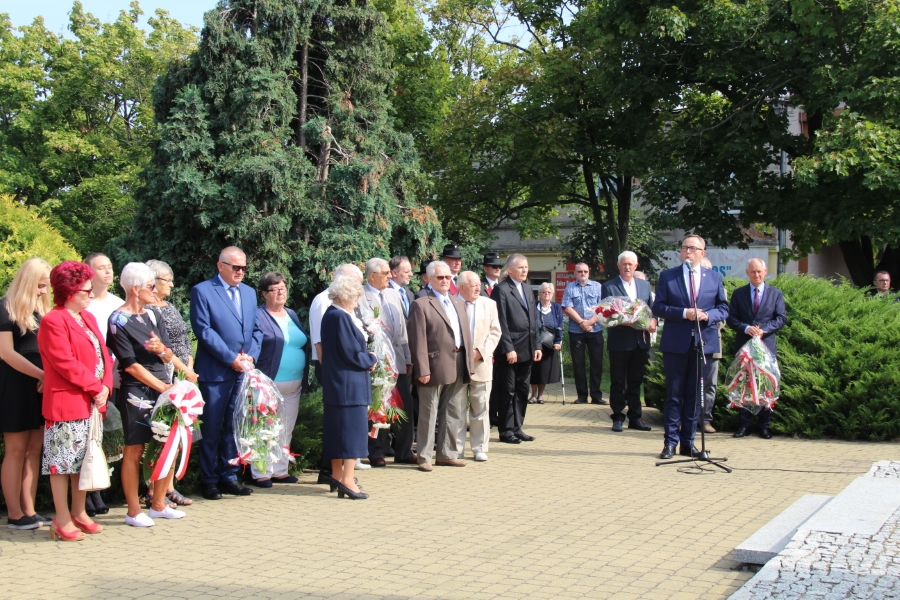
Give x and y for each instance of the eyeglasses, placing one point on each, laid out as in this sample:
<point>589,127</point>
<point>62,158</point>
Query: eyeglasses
<point>151,287</point>
<point>443,277</point>
<point>169,281</point>
<point>88,291</point>
<point>582,271</point>
<point>385,273</point>
<point>492,267</point>
<point>691,249</point>
<point>280,290</point>
<point>236,268</point>
<point>883,280</point>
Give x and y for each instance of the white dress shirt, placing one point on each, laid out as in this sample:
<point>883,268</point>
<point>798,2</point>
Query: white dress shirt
<point>452,316</point>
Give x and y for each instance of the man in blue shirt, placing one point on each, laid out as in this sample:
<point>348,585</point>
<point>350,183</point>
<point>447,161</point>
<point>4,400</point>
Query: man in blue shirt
<point>579,300</point>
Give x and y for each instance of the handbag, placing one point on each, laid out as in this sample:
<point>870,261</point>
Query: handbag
<point>548,334</point>
<point>94,474</point>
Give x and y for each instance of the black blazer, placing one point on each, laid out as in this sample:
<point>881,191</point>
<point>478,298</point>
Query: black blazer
<point>771,317</point>
<point>425,291</point>
<point>273,344</point>
<point>624,338</point>
<point>518,321</point>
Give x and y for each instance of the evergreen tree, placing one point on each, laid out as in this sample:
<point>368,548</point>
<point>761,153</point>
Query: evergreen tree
<point>276,137</point>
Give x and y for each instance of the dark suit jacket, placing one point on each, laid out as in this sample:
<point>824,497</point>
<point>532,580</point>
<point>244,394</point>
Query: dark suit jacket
<point>273,344</point>
<point>518,321</point>
<point>671,300</point>
<point>221,332</point>
<point>345,361</point>
<point>484,286</point>
<point>771,317</point>
<point>425,291</point>
<point>624,338</point>
<point>431,341</point>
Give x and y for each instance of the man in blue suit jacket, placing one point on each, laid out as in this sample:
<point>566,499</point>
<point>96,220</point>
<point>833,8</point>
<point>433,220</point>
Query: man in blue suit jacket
<point>225,321</point>
<point>673,303</point>
<point>628,348</point>
<point>757,310</point>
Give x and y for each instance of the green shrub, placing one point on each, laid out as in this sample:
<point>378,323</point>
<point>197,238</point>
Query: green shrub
<point>839,359</point>
<point>23,235</point>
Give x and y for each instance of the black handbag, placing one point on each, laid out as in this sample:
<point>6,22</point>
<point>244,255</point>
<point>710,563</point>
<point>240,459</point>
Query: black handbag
<point>548,334</point>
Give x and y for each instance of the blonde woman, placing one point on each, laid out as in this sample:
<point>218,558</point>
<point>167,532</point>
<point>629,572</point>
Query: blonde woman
<point>21,383</point>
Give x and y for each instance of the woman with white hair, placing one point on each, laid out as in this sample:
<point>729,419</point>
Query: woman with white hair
<point>346,387</point>
<point>550,318</point>
<point>140,344</point>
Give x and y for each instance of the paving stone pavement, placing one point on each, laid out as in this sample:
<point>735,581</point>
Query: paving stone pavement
<point>816,564</point>
<point>582,512</point>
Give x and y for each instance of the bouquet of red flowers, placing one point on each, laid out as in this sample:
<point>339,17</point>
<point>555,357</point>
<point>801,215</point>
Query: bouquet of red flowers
<point>258,429</point>
<point>387,406</point>
<point>753,378</point>
<point>622,310</point>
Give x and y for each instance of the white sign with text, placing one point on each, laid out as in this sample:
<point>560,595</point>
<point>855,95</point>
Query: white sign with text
<point>728,262</point>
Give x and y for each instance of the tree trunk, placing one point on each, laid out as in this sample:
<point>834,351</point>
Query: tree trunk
<point>304,93</point>
<point>324,155</point>
<point>858,256</point>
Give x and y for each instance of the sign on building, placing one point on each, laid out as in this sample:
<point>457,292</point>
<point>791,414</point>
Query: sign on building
<point>727,261</point>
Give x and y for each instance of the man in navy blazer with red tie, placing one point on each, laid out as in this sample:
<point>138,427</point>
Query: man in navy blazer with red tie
<point>674,304</point>
<point>757,310</point>
<point>225,321</point>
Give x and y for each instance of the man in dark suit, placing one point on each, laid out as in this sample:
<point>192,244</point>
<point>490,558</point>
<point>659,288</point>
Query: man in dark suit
<point>519,347</point>
<point>401,274</point>
<point>225,321</point>
<point>756,310</point>
<point>440,343</point>
<point>492,266</point>
<point>674,293</point>
<point>423,277</point>
<point>452,256</point>
<point>628,348</point>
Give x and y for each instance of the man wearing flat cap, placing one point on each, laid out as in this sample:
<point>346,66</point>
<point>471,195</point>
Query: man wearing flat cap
<point>453,257</point>
<point>423,277</point>
<point>492,267</point>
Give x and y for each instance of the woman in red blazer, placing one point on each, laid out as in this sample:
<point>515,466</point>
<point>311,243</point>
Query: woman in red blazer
<point>77,374</point>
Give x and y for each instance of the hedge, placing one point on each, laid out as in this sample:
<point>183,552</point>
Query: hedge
<point>306,443</point>
<point>840,363</point>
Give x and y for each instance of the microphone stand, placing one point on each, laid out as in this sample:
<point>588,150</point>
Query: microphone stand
<point>703,455</point>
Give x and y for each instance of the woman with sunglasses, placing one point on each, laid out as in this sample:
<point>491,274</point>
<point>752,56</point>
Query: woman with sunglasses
<point>141,344</point>
<point>77,374</point>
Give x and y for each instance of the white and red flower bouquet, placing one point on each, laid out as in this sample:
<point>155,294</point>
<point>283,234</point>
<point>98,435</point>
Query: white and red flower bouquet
<point>387,406</point>
<point>622,310</point>
<point>258,427</point>
<point>173,421</point>
<point>753,378</point>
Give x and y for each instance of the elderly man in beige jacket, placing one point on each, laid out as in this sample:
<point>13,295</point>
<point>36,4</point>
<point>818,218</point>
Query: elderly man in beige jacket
<point>485,327</point>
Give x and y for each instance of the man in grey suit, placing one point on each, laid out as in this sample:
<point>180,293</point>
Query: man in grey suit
<point>401,274</point>
<point>628,348</point>
<point>381,298</point>
<point>442,359</point>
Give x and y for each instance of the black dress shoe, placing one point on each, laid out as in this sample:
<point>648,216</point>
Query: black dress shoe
<point>600,401</point>
<point>377,462</point>
<point>211,492</point>
<point>580,401</point>
<point>689,450</point>
<point>741,432</point>
<point>261,483</point>
<point>668,452</point>
<point>765,433</point>
<point>89,506</point>
<point>324,477</point>
<point>525,437</point>
<point>233,487</point>
<point>639,425</point>
<point>508,438</point>
<point>285,479</point>
<point>617,426</point>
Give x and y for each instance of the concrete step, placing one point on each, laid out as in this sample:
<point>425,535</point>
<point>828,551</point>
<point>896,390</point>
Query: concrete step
<point>772,537</point>
<point>861,508</point>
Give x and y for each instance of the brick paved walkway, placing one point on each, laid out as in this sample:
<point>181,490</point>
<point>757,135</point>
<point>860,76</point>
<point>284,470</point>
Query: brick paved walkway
<point>580,513</point>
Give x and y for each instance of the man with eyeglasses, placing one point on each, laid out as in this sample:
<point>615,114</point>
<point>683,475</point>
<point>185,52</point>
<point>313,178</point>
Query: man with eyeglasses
<point>378,294</point>
<point>225,321</point>
<point>882,284</point>
<point>585,333</point>
<point>678,290</point>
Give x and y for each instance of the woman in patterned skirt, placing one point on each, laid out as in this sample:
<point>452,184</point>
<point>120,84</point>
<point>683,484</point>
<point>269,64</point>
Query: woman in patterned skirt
<point>77,375</point>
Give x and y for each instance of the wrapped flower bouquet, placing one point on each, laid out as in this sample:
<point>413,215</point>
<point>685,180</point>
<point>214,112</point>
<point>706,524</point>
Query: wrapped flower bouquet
<point>174,418</point>
<point>753,378</point>
<point>258,428</point>
<point>622,310</point>
<point>387,406</point>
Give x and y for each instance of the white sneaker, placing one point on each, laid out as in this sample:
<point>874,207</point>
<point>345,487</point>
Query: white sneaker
<point>167,513</point>
<point>481,456</point>
<point>142,520</point>
<point>361,466</point>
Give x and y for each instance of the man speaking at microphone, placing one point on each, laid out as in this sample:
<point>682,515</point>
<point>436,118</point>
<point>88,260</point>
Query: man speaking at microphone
<point>680,290</point>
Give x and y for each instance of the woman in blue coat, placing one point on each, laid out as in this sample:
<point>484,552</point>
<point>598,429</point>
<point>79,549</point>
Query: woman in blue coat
<point>547,369</point>
<point>283,358</point>
<point>346,387</point>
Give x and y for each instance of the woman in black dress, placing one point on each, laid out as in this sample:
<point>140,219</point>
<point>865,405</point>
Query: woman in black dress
<point>547,369</point>
<point>140,344</point>
<point>21,383</point>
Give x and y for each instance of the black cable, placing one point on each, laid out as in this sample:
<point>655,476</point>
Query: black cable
<point>698,469</point>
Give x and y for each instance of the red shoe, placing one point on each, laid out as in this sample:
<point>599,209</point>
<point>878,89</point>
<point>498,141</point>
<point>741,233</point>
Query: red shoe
<point>92,528</point>
<point>59,534</point>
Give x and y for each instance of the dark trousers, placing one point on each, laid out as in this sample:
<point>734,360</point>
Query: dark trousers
<point>217,446</point>
<point>682,407</point>
<point>402,431</point>
<point>626,371</point>
<point>593,342</point>
<point>762,419</point>
<point>514,383</point>
<point>324,463</point>
<point>710,384</point>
